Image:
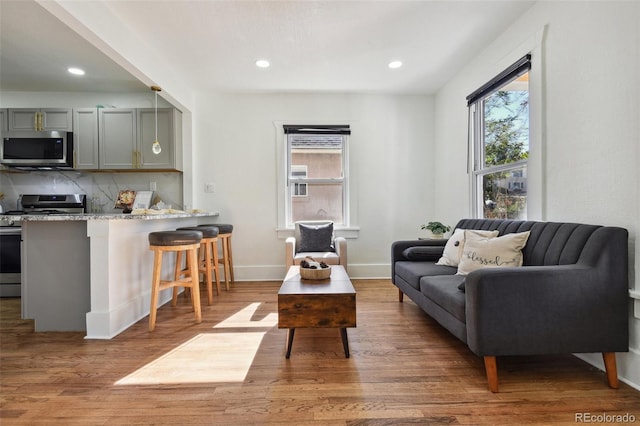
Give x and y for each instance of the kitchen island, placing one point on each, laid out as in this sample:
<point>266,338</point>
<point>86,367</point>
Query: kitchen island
<point>92,272</point>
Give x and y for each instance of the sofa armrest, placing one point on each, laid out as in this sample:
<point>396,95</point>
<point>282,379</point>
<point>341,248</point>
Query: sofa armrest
<point>290,250</point>
<point>397,247</point>
<point>545,310</point>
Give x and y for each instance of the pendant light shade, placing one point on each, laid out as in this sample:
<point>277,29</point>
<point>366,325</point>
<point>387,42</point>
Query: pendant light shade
<point>155,147</point>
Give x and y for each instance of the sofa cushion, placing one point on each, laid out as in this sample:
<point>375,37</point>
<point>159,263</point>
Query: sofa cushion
<point>443,290</point>
<point>422,253</point>
<point>500,252</point>
<point>316,237</point>
<point>411,271</point>
<point>455,244</point>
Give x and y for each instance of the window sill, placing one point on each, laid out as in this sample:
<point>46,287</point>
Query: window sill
<point>346,232</point>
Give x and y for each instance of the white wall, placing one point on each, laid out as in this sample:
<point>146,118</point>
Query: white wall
<point>589,77</point>
<point>390,169</point>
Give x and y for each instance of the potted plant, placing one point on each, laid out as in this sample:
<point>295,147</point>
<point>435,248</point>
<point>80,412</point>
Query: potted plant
<point>436,228</point>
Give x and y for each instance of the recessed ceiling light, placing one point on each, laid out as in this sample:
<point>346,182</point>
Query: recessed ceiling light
<point>76,71</point>
<point>395,64</point>
<point>262,63</point>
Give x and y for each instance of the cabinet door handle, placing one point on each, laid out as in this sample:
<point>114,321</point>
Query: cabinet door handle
<point>40,121</point>
<point>35,121</point>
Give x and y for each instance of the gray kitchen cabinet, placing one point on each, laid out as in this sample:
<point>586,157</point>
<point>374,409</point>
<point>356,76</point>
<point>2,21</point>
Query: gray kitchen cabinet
<point>40,119</point>
<point>117,138</point>
<point>126,136</point>
<point>85,138</point>
<point>3,120</point>
<point>167,136</point>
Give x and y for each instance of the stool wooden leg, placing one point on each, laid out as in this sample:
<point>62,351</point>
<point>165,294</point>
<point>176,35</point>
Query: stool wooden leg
<point>225,256</point>
<point>195,284</point>
<point>206,261</point>
<point>216,265</point>
<point>176,276</point>
<point>230,257</point>
<point>155,288</point>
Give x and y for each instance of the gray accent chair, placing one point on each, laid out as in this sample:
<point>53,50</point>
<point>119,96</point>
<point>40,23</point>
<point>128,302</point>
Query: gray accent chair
<point>570,295</point>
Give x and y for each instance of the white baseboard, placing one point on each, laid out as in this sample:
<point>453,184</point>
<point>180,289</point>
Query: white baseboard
<point>627,364</point>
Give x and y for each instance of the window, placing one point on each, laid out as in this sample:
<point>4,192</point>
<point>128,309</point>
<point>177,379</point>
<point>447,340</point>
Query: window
<point>299,172</point>
<point>499,123</point>
<point>316,177</point>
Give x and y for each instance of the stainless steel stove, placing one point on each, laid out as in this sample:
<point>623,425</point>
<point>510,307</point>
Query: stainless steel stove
<point>48,204</point>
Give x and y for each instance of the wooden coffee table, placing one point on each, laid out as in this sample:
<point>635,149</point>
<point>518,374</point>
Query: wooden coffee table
<point>329,303</point>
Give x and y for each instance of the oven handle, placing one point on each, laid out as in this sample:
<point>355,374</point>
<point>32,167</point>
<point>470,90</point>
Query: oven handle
<point>10,230</point>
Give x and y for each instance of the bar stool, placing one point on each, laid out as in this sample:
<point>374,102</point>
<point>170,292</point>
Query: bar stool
<point>207,257</point>
<point>224,235</point>
<point>174,241</point>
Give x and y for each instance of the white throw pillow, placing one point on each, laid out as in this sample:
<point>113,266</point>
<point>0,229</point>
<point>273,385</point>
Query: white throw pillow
<point>455,244</point>
<point>500,252</point>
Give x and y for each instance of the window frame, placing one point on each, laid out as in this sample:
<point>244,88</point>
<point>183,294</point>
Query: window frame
<point>475,102</point>
<point>291,182</point>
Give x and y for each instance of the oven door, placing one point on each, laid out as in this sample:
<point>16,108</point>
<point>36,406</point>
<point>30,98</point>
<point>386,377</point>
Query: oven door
<point>10,237</point>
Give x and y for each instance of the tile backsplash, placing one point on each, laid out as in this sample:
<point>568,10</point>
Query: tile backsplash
<point>100,188</point>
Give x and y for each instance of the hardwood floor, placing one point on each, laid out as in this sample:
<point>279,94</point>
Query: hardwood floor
<point>231,369</point>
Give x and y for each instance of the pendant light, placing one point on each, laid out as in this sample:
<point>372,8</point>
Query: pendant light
<point>155,147</point>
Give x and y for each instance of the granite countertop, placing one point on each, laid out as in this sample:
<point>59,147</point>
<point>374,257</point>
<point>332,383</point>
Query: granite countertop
<point>136,215</point>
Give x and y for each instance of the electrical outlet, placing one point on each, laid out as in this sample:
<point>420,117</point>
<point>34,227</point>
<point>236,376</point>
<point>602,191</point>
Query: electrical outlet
<point>152,186</point>
<point>210,187</point>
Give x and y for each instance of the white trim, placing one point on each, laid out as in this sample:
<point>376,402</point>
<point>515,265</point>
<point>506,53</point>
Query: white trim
<point>350,220</point>
<point>536,205</point>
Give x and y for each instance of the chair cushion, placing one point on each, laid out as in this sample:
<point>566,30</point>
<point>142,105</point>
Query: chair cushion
<point>330,258</point>
<point>174,238</point>
<point>443,290</point>
<point>316,238</point>
<point>207,231</point>
<point>412,271</point>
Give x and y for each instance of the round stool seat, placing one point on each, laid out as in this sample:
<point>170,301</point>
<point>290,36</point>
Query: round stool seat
<point>223,228</point>
<point>175,238</point>
<point>207,231</point>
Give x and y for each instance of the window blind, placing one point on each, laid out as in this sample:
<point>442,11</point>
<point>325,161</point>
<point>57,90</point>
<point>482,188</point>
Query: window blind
<point>521,66</point>
<point>317,130</point>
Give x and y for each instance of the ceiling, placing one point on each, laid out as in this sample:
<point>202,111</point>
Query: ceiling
<point>313,46</point>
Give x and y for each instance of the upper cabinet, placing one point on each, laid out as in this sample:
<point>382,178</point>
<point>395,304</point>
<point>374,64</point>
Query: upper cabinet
<point>117,138</point>
<point>3,120</point>
<point>40,119</point>
<point>121,138</point>
<point>85,138</point>
<point>167,137</point>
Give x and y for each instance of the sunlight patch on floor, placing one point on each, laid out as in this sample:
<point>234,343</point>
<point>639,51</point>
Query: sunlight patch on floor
<point>247,317</point>
<point>218,357</point>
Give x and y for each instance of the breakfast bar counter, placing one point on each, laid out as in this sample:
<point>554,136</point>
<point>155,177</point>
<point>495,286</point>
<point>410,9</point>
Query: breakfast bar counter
<point>92,272</point>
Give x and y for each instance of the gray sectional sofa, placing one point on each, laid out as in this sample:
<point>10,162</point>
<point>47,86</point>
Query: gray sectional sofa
<point>569,296</point>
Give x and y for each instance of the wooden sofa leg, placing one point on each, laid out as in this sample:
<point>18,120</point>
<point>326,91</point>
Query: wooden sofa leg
<point>611,369</point>
<point>400,295</point>
<point>492,372</point>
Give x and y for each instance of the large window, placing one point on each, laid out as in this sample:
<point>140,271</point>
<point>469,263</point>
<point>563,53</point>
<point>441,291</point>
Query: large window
<point>499,116</point>
<point>316,173</point>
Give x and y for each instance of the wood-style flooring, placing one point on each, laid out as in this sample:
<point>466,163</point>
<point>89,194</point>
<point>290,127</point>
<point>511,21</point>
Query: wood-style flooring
<point>231,369</point>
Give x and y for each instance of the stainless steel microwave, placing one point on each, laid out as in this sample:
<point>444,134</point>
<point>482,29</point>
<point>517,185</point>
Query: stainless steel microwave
<point>37,150</point>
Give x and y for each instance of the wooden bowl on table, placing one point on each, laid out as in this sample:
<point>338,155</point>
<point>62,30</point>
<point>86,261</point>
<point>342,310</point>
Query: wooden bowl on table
<point>315,274</point>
